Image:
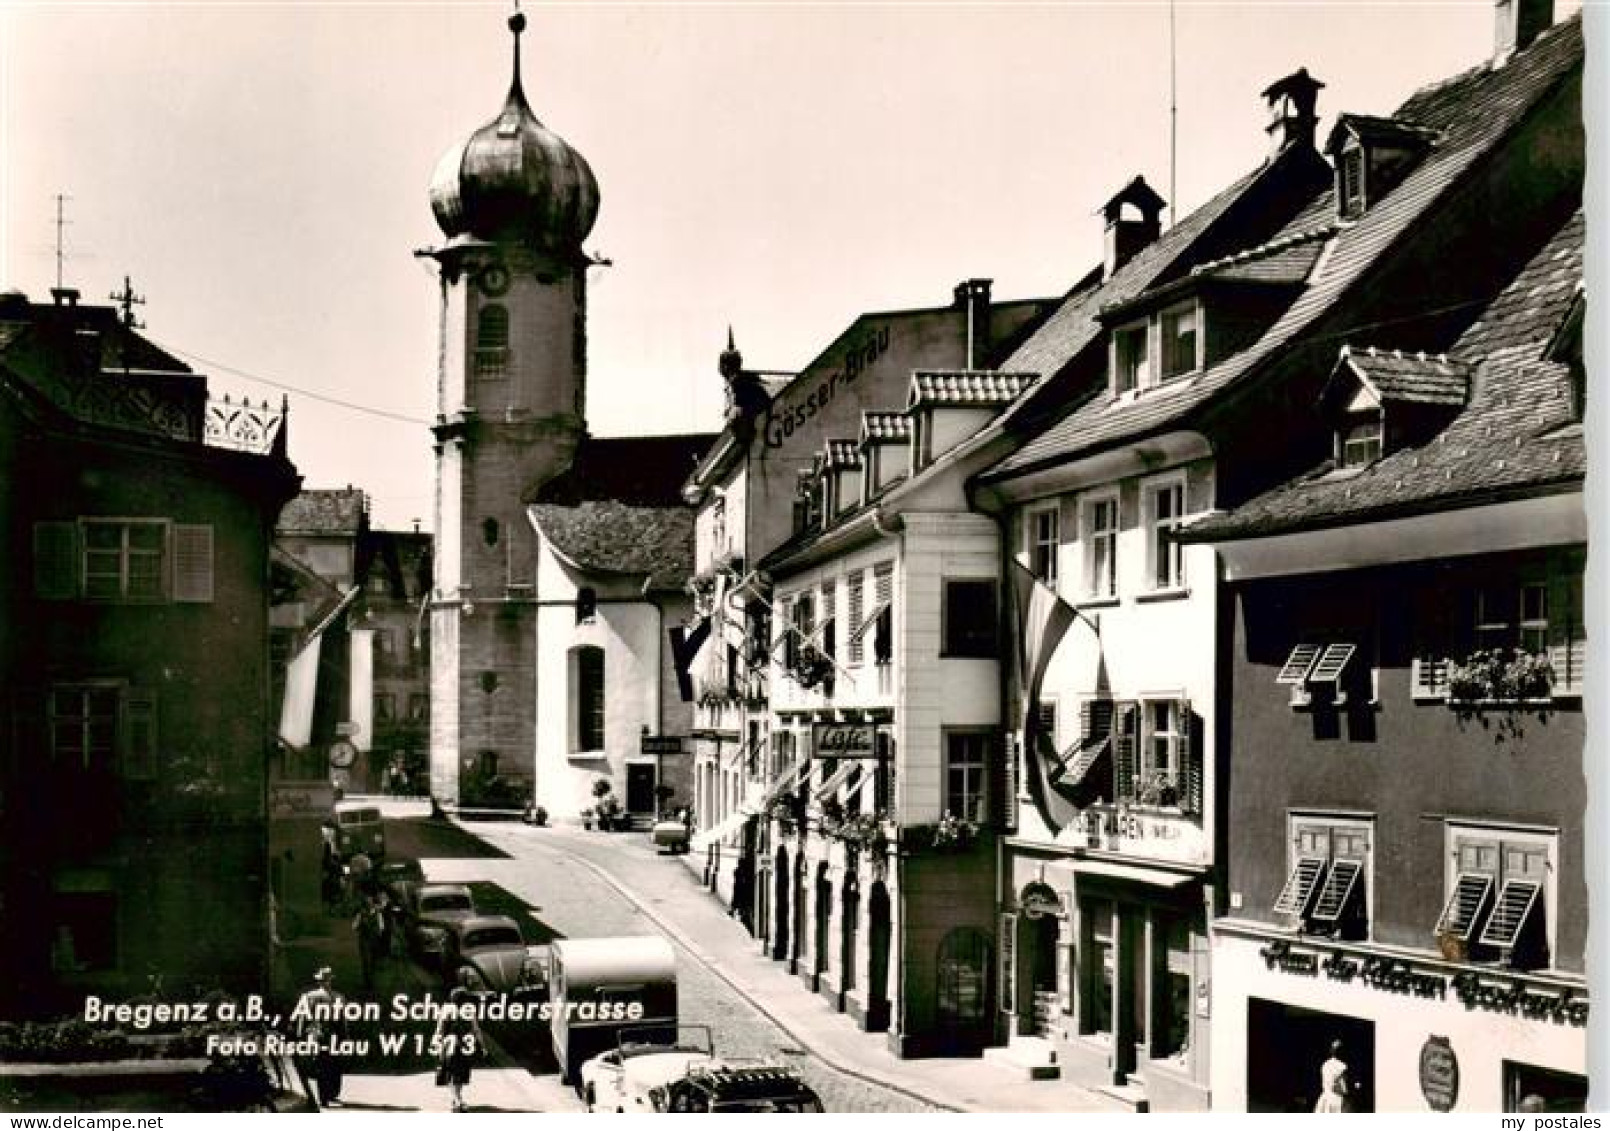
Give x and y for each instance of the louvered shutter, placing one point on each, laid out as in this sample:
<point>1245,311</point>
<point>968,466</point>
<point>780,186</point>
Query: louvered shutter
<point>1191,774</point>
<point>139,737</point>
<point>856,639</point>
<point>192,564</point>
<point>56,562</point>
<point>1568,642</point>
<point>1428,677</point>
<point>1125,716</point>
<point>1000,795</point>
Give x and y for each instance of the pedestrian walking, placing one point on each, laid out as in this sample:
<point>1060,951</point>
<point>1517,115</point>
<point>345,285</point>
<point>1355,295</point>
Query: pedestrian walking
<point>317,1021</point>
<point>1335,1089</point>
<point>371,928</point>
<point>458,1042</point>
<point>330,877</point>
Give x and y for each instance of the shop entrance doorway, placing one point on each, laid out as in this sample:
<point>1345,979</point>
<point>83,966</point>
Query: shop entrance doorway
<point>1286,1045</point>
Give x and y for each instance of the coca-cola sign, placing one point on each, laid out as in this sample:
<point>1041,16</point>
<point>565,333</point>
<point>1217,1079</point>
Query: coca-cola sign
<point>845,740</point>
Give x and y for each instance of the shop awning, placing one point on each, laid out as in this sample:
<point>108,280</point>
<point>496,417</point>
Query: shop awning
<point>1133,873</point>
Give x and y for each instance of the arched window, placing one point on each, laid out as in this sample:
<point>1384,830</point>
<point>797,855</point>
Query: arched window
<point>586,605</point>
<point>587,698</point>
<point>492,341</point>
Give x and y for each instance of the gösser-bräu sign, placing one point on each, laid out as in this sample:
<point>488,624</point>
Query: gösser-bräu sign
<point>844,740</point>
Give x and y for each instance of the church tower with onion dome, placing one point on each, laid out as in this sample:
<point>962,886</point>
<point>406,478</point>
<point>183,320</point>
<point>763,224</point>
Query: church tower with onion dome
<point>514,202</point>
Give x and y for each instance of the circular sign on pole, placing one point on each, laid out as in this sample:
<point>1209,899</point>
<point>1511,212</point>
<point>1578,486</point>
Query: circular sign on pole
<point>1039,899</point>
<point>1439,1074</point>
<point>342,754</point>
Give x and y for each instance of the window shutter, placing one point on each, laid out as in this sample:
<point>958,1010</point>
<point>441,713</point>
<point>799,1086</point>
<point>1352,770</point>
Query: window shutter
<point>1428,677</point>
<point>1568,644</point>
<point>1124,719</point>
<point>56,564</point>
<point>139,738</point>
<point>192,564</point>
<point>1190,762</point>
<point>1000,797</point>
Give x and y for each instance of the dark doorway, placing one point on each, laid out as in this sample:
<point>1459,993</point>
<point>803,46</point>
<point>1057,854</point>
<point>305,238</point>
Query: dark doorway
<point>640,789</point>
<point>962,997</point>
<point>877,991</point>
<point>797,943</point>
<point>780,936</point>
<point>824,920</point>
<point>1037,944</point>
<point>1286,1045</point>
<point>849,925</point>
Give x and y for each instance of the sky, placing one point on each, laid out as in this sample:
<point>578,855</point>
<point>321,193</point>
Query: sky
<point>260,172</point>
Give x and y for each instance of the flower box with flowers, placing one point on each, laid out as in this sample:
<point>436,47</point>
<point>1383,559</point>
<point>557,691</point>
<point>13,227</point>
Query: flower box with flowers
<point>1499,677</point>
<point>811,667</point>
<point>949,834</point>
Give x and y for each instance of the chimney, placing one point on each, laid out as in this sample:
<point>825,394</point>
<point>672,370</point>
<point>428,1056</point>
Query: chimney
<point>972,296</point>
<point>1133,219</point>
<point>65,296</point>
<point>1292,118</point>
<point>1517,23</point>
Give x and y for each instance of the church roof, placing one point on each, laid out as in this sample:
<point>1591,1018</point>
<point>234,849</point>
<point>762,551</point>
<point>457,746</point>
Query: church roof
<point>619,508</point>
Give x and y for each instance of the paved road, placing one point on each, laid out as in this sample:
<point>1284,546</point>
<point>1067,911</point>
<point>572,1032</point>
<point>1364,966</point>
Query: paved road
<point>566,898</point>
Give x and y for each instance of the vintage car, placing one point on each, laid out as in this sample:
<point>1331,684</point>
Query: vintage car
<point>720,1088</point>
<point>353,827</point>
<point>396,874</point>
<point>622,1079</point>
<point>671,835</point>
<point>488,952</point>
<point>429,912</point>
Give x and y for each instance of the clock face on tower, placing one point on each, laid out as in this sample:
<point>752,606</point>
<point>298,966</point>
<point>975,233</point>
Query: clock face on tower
<point>493,279</point>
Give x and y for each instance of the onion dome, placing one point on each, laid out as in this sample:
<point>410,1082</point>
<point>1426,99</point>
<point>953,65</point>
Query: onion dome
<point>515,179</point>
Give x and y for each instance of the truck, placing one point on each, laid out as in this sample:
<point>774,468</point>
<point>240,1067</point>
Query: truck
<point>599,987</point>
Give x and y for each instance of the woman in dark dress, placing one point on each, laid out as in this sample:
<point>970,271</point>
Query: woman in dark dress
<point>458,1043</point>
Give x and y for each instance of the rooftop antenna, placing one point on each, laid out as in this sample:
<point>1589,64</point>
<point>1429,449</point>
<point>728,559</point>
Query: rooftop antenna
<point>1173,122</point>
<point>61,222</point>
<point>127,300</point>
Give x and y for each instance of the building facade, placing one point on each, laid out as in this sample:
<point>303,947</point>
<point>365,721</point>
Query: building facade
<point>134,650</point>
<point>1406,873</point>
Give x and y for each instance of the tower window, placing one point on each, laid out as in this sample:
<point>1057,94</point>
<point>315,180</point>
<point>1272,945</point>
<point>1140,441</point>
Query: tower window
<point>588,698</point>
<point>492,342</point>
<point>586,605</point>
<point>489,531</point>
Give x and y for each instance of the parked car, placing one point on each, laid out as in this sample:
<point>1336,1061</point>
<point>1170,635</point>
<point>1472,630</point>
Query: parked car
<point>671,835</point>
<point>430,911</point>
<point>644,1060</point>
<point>353,827</point>
<point>396,874</point>
<point>488,952</point>
<point>721,1088</point>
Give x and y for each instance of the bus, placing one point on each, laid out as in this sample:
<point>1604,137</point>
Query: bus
<point>597,987</point>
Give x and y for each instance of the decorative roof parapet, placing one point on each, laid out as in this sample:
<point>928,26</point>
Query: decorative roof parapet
<point>967,387</point>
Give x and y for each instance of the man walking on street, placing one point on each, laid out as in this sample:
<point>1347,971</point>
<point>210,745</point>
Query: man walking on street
<point>317,1020</point>
<point>371,928</point>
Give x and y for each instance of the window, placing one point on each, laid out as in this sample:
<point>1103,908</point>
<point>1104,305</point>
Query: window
<point>588,682</point>
<point>1180,337</point>
<point>1537,616</point>
<point>1101,546</point>
<point>966,774</point>
<point>969,619</point>
<point>419,706</point>
<point>1130,369</point>
<point>1351,174</point>
<point>855,598</point>
<point>486,764</point>
<point>1497,895</point>
<point>1359,442</point>
<point>1326,887</point>
<point>802,616</point>
<point>1044,543</point>
<point>385,642</point>
<point>103,728</point>
<point>492,342</point>
<point>1165,505</point>
<point>84,726</point>
<point>883,619</point>
<point>385,706</point>
<point>379,583</point>
<point>1163,738</point>
<point>586,605</point>
<point>123,559</point>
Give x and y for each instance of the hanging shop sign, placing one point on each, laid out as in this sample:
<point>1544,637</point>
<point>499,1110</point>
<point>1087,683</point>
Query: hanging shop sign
<point>1439,1074</point>
<point>844,740</point>
<point>662,744</point>
<point>1490,990</point>
<point>1038,900</point>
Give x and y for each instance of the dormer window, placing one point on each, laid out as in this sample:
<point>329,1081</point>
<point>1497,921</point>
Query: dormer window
<point>1180,340</point>
<point>1372,155</point>
<point>1350,191</point>
<point>1131,368</point>
<point>1359,441</point>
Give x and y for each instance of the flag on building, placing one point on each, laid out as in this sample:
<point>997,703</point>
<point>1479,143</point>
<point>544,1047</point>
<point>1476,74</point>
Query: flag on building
<point>686,642</point>
<point>1043,619</point>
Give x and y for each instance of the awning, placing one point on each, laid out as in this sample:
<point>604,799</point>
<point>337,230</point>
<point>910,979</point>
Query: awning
<point>1132,873</point>
<point>835,779</point>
